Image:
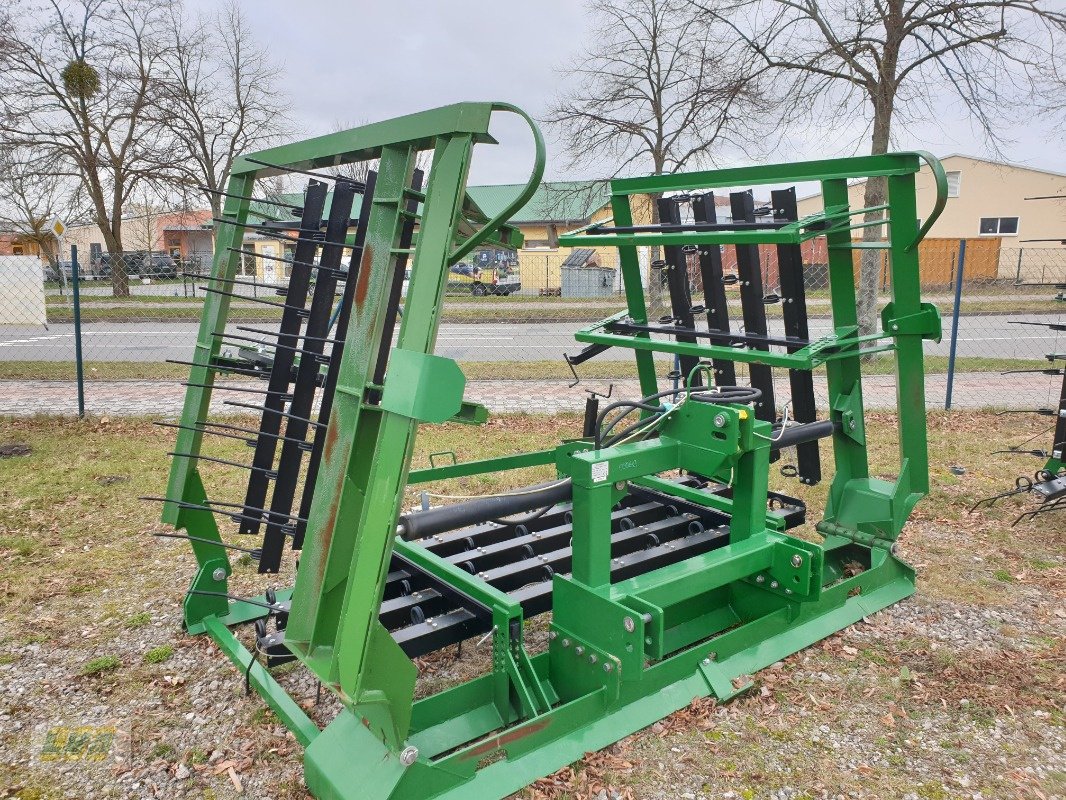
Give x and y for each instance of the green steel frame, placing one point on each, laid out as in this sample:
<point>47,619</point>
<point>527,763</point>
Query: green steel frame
<point>623,654</point>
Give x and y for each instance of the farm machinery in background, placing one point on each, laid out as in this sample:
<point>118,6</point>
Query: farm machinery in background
<point>669,568</point>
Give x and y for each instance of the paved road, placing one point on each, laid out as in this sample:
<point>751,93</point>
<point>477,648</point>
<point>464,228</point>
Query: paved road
<point>989,336</point>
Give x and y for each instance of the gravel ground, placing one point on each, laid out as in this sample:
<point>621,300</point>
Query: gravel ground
<point>957,692</point>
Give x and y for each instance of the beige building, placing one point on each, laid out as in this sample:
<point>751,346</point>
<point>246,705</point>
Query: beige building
<point>988,200</point>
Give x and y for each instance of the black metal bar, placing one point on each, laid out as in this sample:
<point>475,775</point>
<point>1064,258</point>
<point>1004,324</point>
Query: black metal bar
<point>359,185</point>
<point>333,370</point>
<point>677,284</point>
<point>751,299</point>
<point>794,311</point>
<point>676,226</point>
<point>315,354</point>
<point>220,368</point>
<point>246,390</point>
<point>254,284</point>
<point>290,462</point>
<point>288,330</point>
<point>752,340</point>
<point>165,535</point>
<point>283,306</point>
<point>714,296</point>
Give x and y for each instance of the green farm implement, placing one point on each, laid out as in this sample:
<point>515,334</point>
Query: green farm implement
<point>667,565</point>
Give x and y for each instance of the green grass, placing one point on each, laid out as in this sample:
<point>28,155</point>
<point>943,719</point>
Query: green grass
<point>138,620</point>
<point>474,370</point>
<point>100,664</point>
<point>157,655</point>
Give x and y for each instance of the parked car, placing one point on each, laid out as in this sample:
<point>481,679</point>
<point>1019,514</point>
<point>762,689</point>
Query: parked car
<point>502,279</point>
<point>139,263</point>
<point>52,273</point>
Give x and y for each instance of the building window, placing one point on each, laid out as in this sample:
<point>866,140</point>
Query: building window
<point>537,244</point>
<point>954,179</point>
<point>17,250</point>
<point>248,260</point>
<point>999,226</point>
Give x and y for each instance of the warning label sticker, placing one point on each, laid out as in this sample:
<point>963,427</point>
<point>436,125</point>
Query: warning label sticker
<point>599,472</point>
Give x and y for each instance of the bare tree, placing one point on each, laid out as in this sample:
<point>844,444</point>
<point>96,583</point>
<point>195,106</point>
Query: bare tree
<point>897,60</point>
<point>219,97</point>
<point>33,192</point>
<point>76,80</point>
<point>656,92</point>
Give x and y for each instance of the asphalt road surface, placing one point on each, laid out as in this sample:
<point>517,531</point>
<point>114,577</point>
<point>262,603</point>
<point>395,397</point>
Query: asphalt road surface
<point>987,336</point>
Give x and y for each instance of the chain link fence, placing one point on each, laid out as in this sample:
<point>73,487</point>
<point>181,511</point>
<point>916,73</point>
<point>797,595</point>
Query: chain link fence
<point>506,321</point>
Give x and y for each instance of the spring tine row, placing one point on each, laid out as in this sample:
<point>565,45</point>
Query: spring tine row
<point>247,390</point>
<point>290,461</point>
<point>284,358</point>
<point>280,259</point>
<point>268,472</point>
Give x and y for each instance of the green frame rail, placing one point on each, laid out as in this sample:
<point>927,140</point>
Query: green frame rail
<point>621,654</point>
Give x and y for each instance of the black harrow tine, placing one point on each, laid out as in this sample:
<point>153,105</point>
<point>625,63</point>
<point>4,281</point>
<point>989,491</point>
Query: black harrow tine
<point>209,505</point>
<point>302,443</point>
<point>360,186</point>
<point>278,436</point>
<point>1044,508</point>
<point>162,535</point>
<point>285,414</point>
<point>294,209</point>
<point>291,262</point>
<point>269,472</point>
<point>312,353</point>
<point>247,390</point>
<point>295,335</point>
<point>204,430</point>
<point>219,368</point>
<point>250,601</point>
<point>255,284</point>
<point>312,233</point>
<point>260,300</point>
<point>274,234</point>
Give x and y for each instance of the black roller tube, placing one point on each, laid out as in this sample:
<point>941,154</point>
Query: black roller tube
<point>421,524</point>
<point>798,434</point>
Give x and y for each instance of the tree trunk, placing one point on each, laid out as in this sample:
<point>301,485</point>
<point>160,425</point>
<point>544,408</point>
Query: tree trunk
<point>874,195</point>
<point>120,281</point>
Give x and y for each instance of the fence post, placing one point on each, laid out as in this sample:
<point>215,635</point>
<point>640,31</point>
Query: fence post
<point>78,364</point>
<point>955,323</point>
<point>1018,271</point>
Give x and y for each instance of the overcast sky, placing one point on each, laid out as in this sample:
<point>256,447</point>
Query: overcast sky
<point>368,60</point>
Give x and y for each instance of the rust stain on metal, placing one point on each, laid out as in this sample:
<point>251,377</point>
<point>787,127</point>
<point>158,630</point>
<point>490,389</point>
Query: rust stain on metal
<point>331,435</point>
<point>497,742</point>
<point>363,283</point>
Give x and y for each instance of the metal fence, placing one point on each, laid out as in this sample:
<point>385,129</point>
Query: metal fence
<point>133,325</point>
